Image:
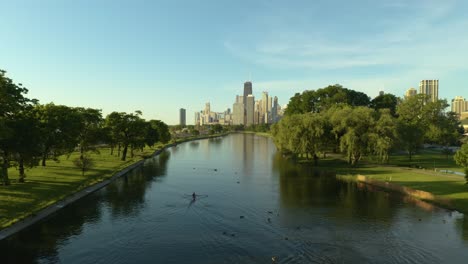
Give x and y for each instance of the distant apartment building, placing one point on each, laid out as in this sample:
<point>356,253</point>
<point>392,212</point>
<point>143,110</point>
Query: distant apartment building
<point>459,105</point>
<point>182,117</point>
<point>430,88</point>
<point>410,92</point>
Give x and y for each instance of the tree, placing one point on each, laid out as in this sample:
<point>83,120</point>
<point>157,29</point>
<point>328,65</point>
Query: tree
<point>325,98</point>
<point>152,135</point>
<point>385,101</point>
<point>411,125</point>
<point>25,141</point>
<point>385,135</point>
<point>461,158</point>
<point>60,128</point>
<point>358,125</point>
<point>113,127</point>
<point>163,130</point>
<point>313,125</point>
<point>131,130</point>
<point>90,132</point>
<point>84,163</point>
<point>12,102</point>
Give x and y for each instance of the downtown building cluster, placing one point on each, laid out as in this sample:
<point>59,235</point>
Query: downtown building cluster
<point>431,89</point>
<point>245,111</point>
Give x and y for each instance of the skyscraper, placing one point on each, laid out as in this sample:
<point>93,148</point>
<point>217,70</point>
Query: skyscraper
<point>250,103</point>
<point>430,88</point>
<point>247,90</point>
<point>197,118</point>
<point>274,110</point>
<point>263,107</point>
<point>182,117</point>
<point>410,92</point>
<point>238,113</point>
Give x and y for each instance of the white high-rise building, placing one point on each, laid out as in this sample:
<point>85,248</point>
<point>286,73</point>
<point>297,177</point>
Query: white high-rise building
<point>459,105</point>
<point>430,88</point>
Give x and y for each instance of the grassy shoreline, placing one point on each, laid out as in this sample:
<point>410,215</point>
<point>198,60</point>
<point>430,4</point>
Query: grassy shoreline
<point>421,173</point>
<point>48,185</point>
<point>444,187</point>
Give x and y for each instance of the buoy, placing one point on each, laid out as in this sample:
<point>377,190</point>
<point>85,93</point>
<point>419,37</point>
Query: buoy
<point>241,216</point>
<point>215,169</point>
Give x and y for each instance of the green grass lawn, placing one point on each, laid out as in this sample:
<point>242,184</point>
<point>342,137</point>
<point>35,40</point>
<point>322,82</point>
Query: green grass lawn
<point>47,185</point>
<point>448,186</point>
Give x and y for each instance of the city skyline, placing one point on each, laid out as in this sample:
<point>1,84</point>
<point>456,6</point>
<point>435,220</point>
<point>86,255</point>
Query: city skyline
<point>159,56</point>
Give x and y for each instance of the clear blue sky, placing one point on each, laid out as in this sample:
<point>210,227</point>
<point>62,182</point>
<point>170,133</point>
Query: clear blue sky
<point>159,56</point>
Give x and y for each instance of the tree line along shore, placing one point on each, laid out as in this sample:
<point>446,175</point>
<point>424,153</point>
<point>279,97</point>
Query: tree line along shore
<point>333,128</point>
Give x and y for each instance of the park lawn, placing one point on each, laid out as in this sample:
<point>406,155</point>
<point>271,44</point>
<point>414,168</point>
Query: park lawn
<point>447,186</point>
<point>428,159</point>
<point>47,185</point>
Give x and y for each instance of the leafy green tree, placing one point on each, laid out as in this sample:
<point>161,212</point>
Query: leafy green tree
<point>131,131</point>
<point>443,127</point>
<point>411,124</point>
<point>163,130</point>
<point>113,130</point>
<point>461,158</point>
<point>385,135</point>
<point>84,163</point>
<point>25,141</point>
<point>90,131</point>
<point>12,102</point>
<point>60,128</point>
<point>358,124</point>
<point>152,135</point>
<point>324,98</point>
<point>385,101</point>
<point>313,125</point>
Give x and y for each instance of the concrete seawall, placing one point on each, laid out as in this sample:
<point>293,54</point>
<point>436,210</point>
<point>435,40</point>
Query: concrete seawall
<point>425,196</point>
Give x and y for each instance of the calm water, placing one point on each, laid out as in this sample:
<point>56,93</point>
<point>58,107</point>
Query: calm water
<point>254,205</point>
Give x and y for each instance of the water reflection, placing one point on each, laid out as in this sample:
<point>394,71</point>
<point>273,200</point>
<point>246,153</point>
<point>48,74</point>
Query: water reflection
<point>256,205</point>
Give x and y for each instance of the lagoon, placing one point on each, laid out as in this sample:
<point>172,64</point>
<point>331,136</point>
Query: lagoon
<point>254,205</point>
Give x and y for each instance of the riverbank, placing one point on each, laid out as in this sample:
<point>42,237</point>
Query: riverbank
<point>47,189</point>
<point>445,190</point>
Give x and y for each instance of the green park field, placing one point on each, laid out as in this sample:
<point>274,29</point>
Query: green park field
<point>418,174</point>
<point>47,185</point>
